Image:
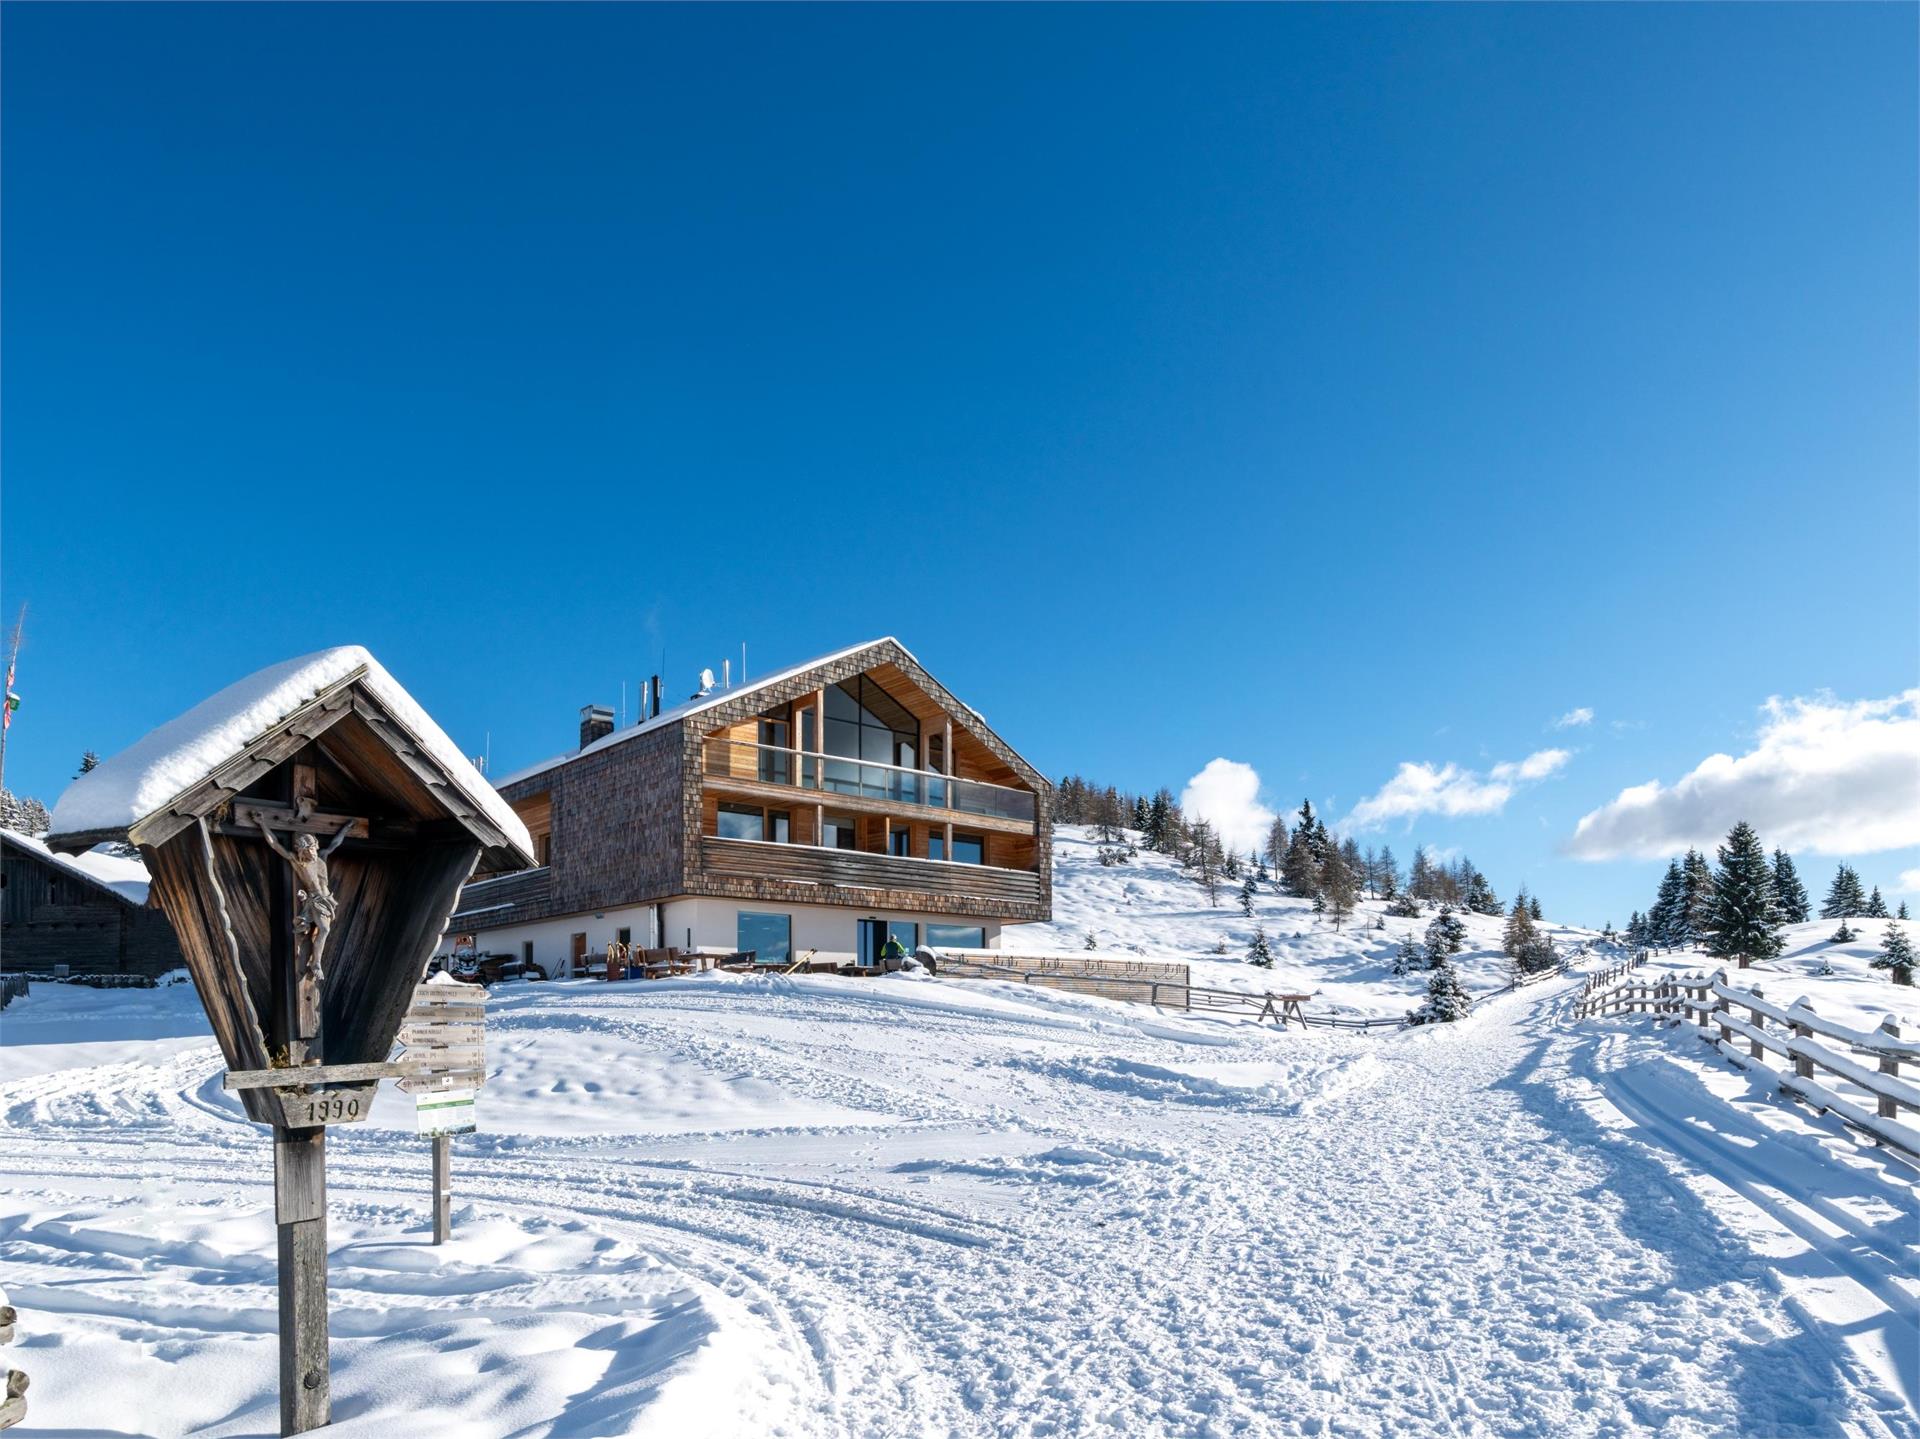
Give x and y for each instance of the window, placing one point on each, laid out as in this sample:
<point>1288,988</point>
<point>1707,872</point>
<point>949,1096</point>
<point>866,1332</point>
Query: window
<point>865,722</point>
<point>839,834</point>
<point>936,845</point>
<point>907,934</point>
<point>956,936</point>
<point>969,849</point>
<point>774,767</point>
<point>769,936</point>
<point>624,937</point>
<point>900,842</point>
<point>779,826</point>
<point>937,752</point>
<point>741,821</point>
<point>543,849</point>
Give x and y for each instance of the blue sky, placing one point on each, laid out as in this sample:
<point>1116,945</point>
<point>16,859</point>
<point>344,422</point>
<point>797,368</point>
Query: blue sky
<point>1326,389</point>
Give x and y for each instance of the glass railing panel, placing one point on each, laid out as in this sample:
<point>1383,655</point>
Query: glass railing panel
<point>892,784</point>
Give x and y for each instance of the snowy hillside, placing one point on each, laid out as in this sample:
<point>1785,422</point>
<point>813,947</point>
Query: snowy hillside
<point>1854,993</point>
<point>1152,907</point>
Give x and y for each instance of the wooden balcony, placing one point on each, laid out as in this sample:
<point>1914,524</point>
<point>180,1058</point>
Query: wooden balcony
<point>880,880</point>
<point>503,899</point>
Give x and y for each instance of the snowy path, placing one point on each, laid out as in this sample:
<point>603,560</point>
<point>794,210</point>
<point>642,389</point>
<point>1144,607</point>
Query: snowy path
<point>940,1209</point>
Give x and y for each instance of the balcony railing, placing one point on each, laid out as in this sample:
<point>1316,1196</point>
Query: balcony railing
<point>828,774</point>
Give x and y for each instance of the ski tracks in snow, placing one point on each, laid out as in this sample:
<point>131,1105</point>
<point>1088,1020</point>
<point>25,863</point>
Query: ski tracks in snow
<point>1030,1219</point>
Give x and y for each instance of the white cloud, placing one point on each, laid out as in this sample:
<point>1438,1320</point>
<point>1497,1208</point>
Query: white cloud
<point>1831,776</point>
<point>1909,882</point>
<point>1418,788</point>
<point>1574,719</point>
<point>1226,794</point>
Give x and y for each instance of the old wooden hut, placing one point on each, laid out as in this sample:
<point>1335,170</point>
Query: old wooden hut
<point>84,914</point>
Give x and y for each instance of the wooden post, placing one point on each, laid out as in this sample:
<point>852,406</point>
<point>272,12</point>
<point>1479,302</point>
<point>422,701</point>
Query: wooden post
<point>1888,1108</point>
<point>300,1215</point>
<point>1754,1047</point>
<point>1803,1068</point>
<point>1720,1005</point>
<point>442,1188</point>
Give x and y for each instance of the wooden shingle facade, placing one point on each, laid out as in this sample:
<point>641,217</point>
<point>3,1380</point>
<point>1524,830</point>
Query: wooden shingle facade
<point>760,800</point>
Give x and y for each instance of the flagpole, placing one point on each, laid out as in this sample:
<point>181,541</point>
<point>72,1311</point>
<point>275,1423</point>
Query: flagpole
<point>13,661</point>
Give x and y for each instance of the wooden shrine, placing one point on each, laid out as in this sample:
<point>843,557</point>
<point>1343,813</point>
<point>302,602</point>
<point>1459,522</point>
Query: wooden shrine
<point>309,873</point>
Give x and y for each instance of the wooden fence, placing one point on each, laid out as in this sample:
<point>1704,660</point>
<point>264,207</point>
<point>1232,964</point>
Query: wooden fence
<point>1792,1034</point>
<point>1164,985</point>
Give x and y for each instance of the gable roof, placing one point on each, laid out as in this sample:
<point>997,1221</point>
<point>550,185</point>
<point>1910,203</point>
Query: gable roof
<point>885,648</point>
<point>181,755</point>
<point>120,878</point>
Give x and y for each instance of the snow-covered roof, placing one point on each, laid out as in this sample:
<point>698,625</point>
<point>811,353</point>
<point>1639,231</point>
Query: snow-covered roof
<point>148,775</point>
<point>126,879</point>
<point>693,707</point>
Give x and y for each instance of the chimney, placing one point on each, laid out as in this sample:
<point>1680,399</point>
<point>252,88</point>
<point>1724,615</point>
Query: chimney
<point>596,722</point>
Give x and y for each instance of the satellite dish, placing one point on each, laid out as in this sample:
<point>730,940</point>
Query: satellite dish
<point>706,684</point>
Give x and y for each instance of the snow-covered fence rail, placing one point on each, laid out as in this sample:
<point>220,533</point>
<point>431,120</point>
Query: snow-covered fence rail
<point>1600,980</point>
<point>1141,988</point>
<point>1792,1034</point>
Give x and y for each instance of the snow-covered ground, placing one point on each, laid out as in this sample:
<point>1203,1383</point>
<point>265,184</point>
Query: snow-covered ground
<point>1854,994</point>
<point>1150,907</point>
<point>733,1206</point>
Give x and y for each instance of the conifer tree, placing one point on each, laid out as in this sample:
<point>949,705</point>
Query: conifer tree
<point>1876,906</point>
<point>1387,873</point>
<point>88,762</point>
<point>1845,898</point>
<point>1901,913</point>
<point>1663,920</point>
<point>1408,957</point>
<point>1520,934</point>
<point>1480,896</point>
<point>1446,935</point>
<point>1404,906</point>
<point>1275,851</point>
<point>1259,952</point>
<point>1789,895</point>
<point>1337,886</point>
<point>1356,865</point>
<point>1301,869</point>
<point>1742,923</point>
<point>1843,935</point>
<point>1896,954</point>
<point>1447,1001</point>
<point>1696,897</point>
<point>1420,876</point>
<point>1246,897</point>
<point>1533,909</point>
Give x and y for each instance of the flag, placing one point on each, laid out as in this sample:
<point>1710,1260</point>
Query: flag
<point>13,700</point>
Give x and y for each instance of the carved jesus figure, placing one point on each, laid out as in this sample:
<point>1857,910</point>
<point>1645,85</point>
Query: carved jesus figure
<point>314,919</point>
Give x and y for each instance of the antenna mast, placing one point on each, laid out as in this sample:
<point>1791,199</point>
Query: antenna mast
<point>13,661</point>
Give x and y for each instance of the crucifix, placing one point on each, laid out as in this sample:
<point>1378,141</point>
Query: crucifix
<point>302,911</point>
<point>312,918</point>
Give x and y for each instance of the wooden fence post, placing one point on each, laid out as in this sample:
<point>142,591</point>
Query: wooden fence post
<point>1720,1006</point>
<point>1888,1108</point>
<point>1802,1068</point>
<point>1754,1046</point>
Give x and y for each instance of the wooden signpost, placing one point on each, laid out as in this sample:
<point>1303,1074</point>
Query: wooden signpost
<point>309,866</point>
<point>443,1065</point>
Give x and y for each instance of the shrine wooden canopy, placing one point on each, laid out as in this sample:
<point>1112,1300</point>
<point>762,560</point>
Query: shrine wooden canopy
<point>401,820</point>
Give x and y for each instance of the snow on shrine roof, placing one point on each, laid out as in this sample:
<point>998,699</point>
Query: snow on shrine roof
<point>145,777</point>
<point>125,878</point>
<point>693,707</point>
